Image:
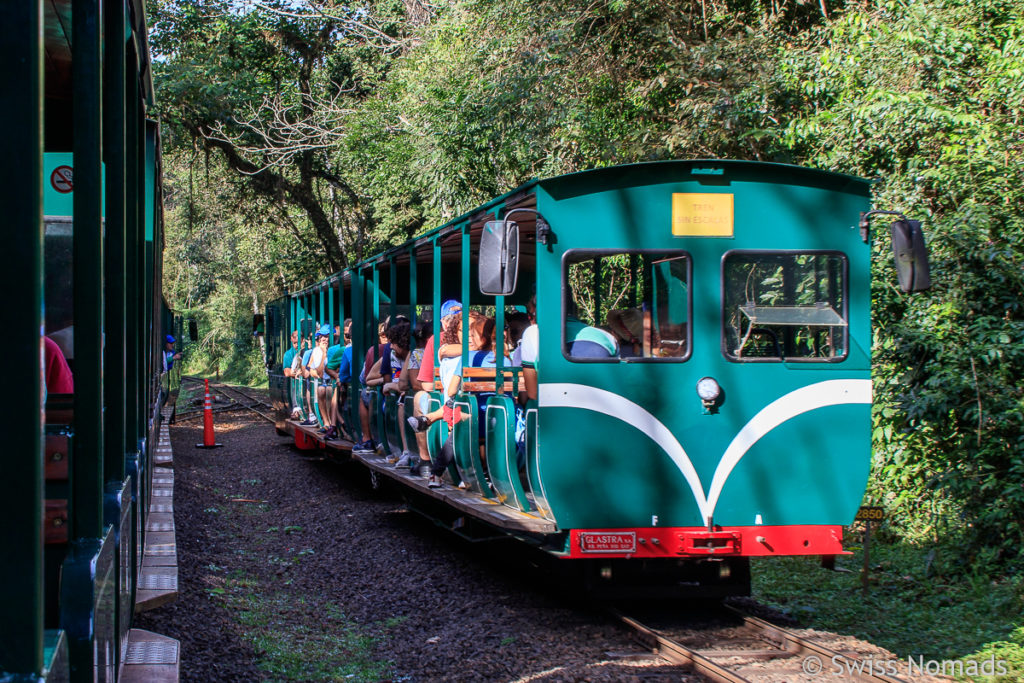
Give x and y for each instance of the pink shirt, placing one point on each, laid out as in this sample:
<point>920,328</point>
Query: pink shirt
<point>58,374</point>
<point>426,373</point>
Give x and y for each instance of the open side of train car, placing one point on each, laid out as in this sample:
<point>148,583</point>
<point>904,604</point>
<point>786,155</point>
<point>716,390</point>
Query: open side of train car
<point>730,420</point>
<point>83,197</point>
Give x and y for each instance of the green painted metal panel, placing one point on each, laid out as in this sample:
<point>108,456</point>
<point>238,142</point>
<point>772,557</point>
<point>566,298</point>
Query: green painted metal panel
<point>21,491</point>
<point>810,469</point>
<point>86,513</point>
<point>150,197</point>
<point>58,167</point>
<point>465,433</point>
<point>502,462</point>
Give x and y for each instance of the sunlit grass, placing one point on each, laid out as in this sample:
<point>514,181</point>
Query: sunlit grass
<point>908,608</point>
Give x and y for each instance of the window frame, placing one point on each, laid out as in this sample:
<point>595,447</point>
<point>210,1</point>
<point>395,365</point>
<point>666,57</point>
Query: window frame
<point>845,293</point>
<point>579,255</point>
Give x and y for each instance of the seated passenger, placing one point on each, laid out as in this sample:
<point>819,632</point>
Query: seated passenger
<point>367,445</point>
<point>482,333</point>
<point>315,366</point>
<point>516,323</point>
<point>339,368</point>
<point>286,364</point>
<point>409,381</point>
<point>450,354</point>
<point>386,371</point>
<point>58,379</point>
<point>627,324</point>
<point>585,341</point>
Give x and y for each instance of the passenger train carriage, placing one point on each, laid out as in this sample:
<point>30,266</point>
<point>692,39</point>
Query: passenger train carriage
<point>733,422</point>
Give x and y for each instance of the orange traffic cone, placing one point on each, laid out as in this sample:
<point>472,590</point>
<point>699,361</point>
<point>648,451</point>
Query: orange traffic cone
<point>208,439</point>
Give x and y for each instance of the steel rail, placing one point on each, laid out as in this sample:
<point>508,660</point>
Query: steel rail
<point>677,653</point>
<point>787,644</point>
<point>799,645</point>
<point>227,391</point>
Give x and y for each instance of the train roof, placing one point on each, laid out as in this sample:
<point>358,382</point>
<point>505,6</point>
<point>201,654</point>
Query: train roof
<point>58,86</point>
<point>712,171</point>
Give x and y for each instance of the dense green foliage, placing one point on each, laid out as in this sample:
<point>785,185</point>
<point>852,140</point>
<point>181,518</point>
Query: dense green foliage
<point>301,139</point>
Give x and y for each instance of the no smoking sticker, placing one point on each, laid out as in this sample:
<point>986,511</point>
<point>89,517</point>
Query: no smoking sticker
<point>63,179</point>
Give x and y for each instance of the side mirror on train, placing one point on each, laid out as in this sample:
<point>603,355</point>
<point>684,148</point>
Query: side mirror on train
<point>193,331</point>
<point>911,256</point>
<point>499,258</point>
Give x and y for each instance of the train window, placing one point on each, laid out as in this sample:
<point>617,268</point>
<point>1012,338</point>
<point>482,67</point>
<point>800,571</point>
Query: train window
<point>58,292</point>
<point>784,306</point>
<point>626,306</point>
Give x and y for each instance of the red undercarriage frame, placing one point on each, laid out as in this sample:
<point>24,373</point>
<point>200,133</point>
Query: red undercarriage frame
<point>698,542</point>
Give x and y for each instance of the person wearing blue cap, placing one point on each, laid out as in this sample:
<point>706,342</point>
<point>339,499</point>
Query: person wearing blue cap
<point>169,354</point>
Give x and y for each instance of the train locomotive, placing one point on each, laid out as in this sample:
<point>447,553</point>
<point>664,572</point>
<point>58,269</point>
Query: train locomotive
<point>733,419</point>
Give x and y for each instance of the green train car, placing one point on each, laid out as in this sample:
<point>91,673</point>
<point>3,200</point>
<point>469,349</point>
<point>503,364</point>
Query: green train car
<point>729,415</point>
<point>83,266</point>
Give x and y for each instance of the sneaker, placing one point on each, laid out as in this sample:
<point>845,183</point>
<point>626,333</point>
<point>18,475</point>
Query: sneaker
<point>405,460</point>
<point>463,485</point>
<point>422,469</point>
<point>365,448</point>
<point>308,423</point>
<point>435,482</point>
<point>419,423</point>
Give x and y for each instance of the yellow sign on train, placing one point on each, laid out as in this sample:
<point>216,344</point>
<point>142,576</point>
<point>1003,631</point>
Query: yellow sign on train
<point>701,215</point>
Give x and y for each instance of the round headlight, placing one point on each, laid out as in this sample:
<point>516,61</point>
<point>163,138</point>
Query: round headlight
<point>708,389</point>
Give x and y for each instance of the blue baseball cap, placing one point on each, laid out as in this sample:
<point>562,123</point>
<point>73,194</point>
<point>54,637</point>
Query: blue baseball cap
<point>324,331</point>
<point>169,339</point>
<point>450,307</point>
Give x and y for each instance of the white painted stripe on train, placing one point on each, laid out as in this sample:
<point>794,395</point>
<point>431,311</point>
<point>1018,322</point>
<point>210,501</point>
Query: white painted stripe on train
<point>600,401</point>
<point>832,392</point>
<point>802,400</point>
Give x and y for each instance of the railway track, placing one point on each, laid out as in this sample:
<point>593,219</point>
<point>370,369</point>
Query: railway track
<point>729,646</point>
<point>240,400</point>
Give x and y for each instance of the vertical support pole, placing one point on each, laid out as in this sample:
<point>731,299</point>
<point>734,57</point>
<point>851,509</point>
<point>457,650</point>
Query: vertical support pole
<point>867,557</point>
<point>141,340</point>
<point>87,467</point>
<point>114,157</point>
<point>632,280</point>
<point>374,334</point>
<point>597,292</point>
<point>464,269</point>
<point>21,489</point>
<point>320,305</point>
<point>392,287</point>
<point>131,199</point>
<point>358,314</point>
<point>437,296</point>
<point>413,300</point>
<point>499,344</point>
<point>330,308</point>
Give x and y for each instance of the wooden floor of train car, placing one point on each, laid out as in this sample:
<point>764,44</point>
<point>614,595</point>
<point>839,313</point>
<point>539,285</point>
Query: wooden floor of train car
<point>150,657</point>
<point>490,511</point>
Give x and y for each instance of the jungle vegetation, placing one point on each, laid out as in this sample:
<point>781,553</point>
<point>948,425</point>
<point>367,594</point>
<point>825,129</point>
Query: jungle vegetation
<point>301,135</point>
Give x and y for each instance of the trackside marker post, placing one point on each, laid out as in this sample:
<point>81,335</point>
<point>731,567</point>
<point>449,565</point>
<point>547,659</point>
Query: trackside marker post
<point>208,439</point>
